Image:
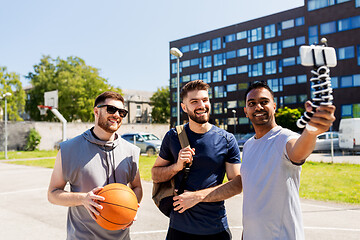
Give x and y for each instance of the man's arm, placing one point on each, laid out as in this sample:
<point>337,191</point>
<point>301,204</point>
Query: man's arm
<point>299,149</point>
<point>135,185</point>
<point>57,195</point>
<point>214,194</point>
<point>162,171</point>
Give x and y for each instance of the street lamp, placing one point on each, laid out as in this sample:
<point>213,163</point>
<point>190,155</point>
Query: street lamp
<point>234,112</point>
<point>178,54</point>
<point>5,126</point>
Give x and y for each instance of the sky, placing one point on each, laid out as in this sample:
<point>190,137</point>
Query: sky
<point>128,41</point>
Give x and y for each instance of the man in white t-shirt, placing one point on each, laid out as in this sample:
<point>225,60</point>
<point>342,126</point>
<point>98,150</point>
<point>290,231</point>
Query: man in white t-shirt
<point>270,170</point>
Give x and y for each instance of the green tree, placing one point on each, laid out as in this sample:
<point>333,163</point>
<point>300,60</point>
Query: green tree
<point>77,83</point>
<point>10,83</point>
<point>160,101</point>
<point>287,117</point>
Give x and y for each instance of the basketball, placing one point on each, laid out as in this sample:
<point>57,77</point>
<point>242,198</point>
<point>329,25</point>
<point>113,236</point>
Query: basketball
<point>119,207</point>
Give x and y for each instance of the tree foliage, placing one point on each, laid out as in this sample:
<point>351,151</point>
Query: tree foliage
<point>161,105</point>
<point>77,83</point>
<point>287,117</point>
<point>10,83</point>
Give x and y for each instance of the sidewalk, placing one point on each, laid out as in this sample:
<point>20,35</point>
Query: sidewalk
<point>337,158</point>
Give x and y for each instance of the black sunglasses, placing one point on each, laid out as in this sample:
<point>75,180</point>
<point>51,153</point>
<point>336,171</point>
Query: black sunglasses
<point>112,110</point>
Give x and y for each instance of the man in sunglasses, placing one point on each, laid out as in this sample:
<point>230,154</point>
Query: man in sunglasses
<point>97,157</point>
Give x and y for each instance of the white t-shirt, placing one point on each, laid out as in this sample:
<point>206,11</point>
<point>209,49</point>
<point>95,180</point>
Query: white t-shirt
<point>271,207</point>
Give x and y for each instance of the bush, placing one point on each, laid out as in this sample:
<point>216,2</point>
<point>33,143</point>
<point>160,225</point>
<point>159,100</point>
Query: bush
<point>33,140</point>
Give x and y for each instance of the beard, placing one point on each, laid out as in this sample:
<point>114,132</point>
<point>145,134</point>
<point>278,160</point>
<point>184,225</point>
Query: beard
<point>107,126</point>
<point>199,119</point>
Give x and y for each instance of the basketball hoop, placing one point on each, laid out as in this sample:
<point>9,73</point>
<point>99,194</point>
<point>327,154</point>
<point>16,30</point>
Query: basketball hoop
<point>43,109</point>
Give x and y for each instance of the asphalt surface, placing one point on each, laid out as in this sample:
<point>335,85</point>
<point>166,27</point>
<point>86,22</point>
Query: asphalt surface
<point>26,213</point>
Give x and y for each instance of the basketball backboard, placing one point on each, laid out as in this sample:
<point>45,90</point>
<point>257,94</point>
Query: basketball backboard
<point>51,99</point>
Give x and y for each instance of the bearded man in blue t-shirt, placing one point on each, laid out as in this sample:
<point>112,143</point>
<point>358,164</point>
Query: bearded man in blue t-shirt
<point>213,153</point>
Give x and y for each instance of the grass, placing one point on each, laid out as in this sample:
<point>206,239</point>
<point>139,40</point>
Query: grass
<point>319,181</point>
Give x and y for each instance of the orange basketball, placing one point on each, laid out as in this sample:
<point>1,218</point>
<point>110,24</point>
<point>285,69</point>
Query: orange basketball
<point>119,207</point>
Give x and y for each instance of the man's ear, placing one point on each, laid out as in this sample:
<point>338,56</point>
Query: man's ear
<point>96,111</point>
<point>183,107</point>
<point>245,112</point>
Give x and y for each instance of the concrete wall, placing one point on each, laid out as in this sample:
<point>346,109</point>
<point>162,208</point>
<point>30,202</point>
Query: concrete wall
<point>51,132</point>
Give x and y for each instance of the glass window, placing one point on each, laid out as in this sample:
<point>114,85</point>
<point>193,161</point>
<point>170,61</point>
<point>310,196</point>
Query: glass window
<point>358,53</point>
<point>204,46</point>
<point>207,62</point>
<point>287,24</point>
<point>272,49</point>
<point>334,82</point>
<point>195,61</point>
<point>269,31</point>
<point>357,3</point>
<point>231,71</point>
<point>242,52</point>
<point>258,51</point>
<point>243,120</point>
<point>174,98</point>
<point>357,80</point>
<point>289,61</point>
<point>243,86</point>
<point>346,110</point>
<point>173,111</point>
<point>346,81</point>
<point>249,53</point>
<point>243,69</point>
<point>231,54</point>
<point>346,52</point>
<point>232,104</point>
<point>185,48</point>
<point>280,64</point>
<point>270,67</point>
<point>341,1</point>
<point>356,110</point>
<point>231,87</point>
<point>255,70</point>
<point>288,43</point>
<point>195,76</point>
<point>206,77</point>
<point>241,103</point>
<point>327,28</point>
<point>219,91</point>
<point>218,108</point>
<point>290,99</point>
<point>185,78</point>
<point>174,68</point>
<point>217,76</point>
<point>302,98</point>
<point>289,80</point>
<point>299,21</point>
<point>300,40</point>
<point>313,34</point>
<point>194,46</point>
<point>254,34</point>
<point>275,84</point>
<point>344,24</point>
<point>173,82</point>
<point>316,4</point>
<point>279,29</point>
<point>219,59</point>
<point>301,78</point>
<point>230,38</point>
<point>241,35</point>
<point>355,22</point>
<point>216,44</point>
<point>185,64</point>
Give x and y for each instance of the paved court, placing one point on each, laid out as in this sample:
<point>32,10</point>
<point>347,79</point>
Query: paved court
<point>26,214</point>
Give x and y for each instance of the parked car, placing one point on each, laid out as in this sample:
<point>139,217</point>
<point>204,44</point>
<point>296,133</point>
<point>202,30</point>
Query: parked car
<point>323,142</point>
<point>147,142</point>
<point>243,139</point>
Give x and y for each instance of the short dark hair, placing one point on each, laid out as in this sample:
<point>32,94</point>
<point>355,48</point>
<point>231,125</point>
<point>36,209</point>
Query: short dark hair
<point>108,94</point>
<point>256,85</point>
<point>193,85</point>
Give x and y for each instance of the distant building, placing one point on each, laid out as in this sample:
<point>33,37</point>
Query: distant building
<point>138,105</point>
<point>267,49</point>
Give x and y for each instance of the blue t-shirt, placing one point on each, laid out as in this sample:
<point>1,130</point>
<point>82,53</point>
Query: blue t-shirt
<point>212,150</point>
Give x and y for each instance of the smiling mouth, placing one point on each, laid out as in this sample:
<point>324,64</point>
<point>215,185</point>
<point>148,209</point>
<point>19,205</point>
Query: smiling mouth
<point>259,114</point>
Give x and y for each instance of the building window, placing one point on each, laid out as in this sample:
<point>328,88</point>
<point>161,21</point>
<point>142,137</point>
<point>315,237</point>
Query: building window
<point>204,46</point>
<point>287,24</point>
<point>217,76</point>
<point>231,88</point>
<point>195,61</point>
<point>185,78</point>
<point>291,61</point>
<point>231,71</point>
<point>242,52</point>
<point>280,64</point>
<point>288,43</point>
<point>216,44</point>
<point>341,1</point>
<point>195,76</point>
<point>174,68</point>
<point>194,46</point>
<point>173,112</point>
<point>357,80</point>
<point>313,35</point>
<point>255,70</point>
<point>174,82</point>
<point>334,82</point>
<point>346,52</point>
<point>219,92</point>
<point>290,99</point>
<point>346,81</point>
<point>219,59</point>
<point>279,29</point>
<point>317,4</point>
<point>299,21</point>
<point>242,69</point>
<point>302,98</point>
<point>357,3</point>
<point>346,111</point>
<point>300,40</point>
<point>231,54</point>
<point>289,80</point>
<point>355,22</point>
<point>207,62</point>
<point>249,53</point>
<point>243,86</point>
<point>243,120</point>
<point>206,77</point>
<point>232,104</point>
<point>230,38</point>
<point>185,64</point>
<point>270,67</point>
<point>269,31</point>
<point>258,51</point>
<point>185,48</point>
<point>275,84</point>
<point>254,34</point>
<point>301,79</point>
<point>273,49</point>
<point>241,35</point>
<point>138,111</point>
<point>174,96</point>
<point>328,28</point>
<point>241,103</point>
<point>358,53</point>
<point>344,24</point>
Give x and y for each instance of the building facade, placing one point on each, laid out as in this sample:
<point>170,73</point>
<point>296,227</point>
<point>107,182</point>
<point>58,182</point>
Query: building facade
<point>138,105</point>
<point>267,49</point>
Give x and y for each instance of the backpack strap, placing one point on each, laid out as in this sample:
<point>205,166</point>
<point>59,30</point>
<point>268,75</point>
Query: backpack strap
<point>184,142</point>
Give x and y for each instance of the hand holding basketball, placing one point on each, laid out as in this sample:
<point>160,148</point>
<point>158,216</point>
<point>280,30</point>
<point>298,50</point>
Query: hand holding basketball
<point>90,203</point>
